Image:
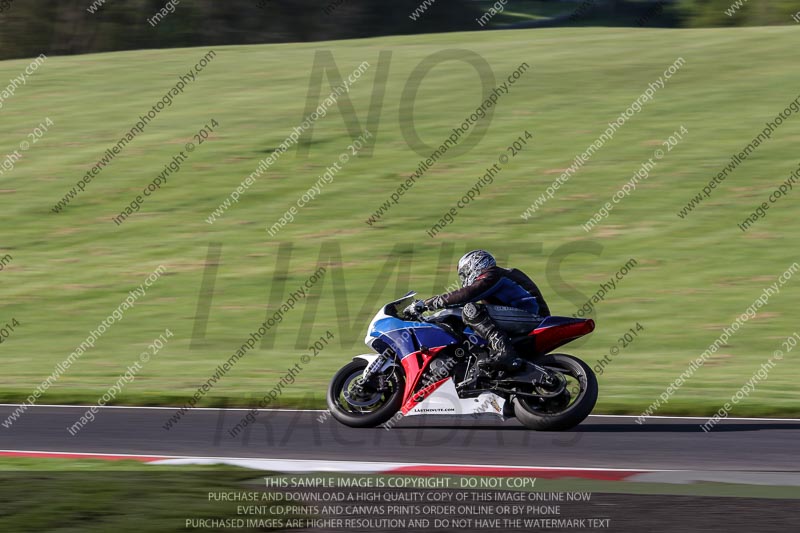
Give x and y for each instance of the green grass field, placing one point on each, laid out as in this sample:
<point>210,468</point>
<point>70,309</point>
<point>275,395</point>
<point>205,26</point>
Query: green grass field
<point>90,495</point>
<point>696,275</point>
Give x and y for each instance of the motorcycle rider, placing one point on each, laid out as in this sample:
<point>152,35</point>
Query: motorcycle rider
<point>513,304</point>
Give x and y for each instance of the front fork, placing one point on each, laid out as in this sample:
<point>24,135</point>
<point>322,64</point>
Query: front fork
<point>374,367</point>
<point>374,374</point>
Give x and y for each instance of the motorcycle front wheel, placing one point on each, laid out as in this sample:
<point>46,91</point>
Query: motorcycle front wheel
<point>363,406</point>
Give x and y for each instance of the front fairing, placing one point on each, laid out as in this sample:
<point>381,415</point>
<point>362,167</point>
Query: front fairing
<point>389,310</point>
<point>403,337</point>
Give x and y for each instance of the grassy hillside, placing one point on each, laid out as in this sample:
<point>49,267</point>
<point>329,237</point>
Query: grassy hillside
<point>694,276</point>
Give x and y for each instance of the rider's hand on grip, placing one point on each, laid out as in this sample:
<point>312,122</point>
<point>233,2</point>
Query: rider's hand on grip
<point>415,309</point>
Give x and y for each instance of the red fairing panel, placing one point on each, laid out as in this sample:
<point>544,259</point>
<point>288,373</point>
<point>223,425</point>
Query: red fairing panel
<point>551,337</point>
<point>414,364</point>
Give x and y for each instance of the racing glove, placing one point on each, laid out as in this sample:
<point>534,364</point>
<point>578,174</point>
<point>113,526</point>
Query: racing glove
<point>415,309</point>
<point>435,302</point>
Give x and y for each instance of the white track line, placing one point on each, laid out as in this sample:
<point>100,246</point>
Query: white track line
<point>308,462</point>
<point>698,418</point>
<point>157,407</point>
<point>99,454</point>
<point>173,408</point>
<point>310,466</point>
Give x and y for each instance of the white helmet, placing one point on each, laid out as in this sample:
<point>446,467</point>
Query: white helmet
<point>472,265</point>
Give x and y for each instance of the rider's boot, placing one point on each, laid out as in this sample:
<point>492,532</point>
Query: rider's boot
<point>502,355</point>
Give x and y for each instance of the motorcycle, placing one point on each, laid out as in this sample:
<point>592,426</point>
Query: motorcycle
<point>426,365</point>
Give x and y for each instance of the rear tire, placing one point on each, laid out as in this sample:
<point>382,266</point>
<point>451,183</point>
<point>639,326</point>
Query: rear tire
<point>575,413</point>
<point>348,414</point>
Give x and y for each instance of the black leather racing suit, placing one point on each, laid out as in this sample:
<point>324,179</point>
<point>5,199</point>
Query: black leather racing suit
<point>514,301</point>
<point>514,304</point>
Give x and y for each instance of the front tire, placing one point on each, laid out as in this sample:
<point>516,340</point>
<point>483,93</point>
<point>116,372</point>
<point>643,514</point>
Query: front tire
<point>536,417</point>
<point>370,410</point>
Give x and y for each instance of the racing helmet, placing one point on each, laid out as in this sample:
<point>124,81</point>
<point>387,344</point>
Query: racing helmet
<point>472,265</point>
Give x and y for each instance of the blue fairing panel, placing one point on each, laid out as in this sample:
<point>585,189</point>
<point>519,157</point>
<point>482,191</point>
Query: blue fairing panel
<point>473,337</point>
<point>400,341</point>
<point>406,337</point>
<point>433,337</point>
<point>385,324</point>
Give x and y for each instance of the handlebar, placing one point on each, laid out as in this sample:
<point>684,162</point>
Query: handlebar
<point>415,309</point>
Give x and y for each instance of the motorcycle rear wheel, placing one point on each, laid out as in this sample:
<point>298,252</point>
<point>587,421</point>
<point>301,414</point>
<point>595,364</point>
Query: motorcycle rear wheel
<point>534,417</point>
<point>363,411</point>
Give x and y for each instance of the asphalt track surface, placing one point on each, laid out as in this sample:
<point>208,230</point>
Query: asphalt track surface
<point>762,445</point>
<point>751,449</point>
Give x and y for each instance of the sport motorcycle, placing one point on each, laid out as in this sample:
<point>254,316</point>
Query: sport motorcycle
<point>427,365</point>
